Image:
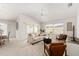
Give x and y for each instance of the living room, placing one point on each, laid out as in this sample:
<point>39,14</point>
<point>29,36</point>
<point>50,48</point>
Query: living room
<point>23,26</point>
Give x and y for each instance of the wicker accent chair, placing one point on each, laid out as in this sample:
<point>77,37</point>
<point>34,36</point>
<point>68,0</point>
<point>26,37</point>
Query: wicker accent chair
<point>62,37</point>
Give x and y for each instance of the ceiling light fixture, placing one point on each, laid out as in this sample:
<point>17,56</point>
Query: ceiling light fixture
<point>69,4</point>
<point>42,12</point>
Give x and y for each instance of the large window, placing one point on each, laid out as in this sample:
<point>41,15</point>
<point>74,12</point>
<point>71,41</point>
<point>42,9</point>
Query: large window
<point>55,28</point>
<point>32,28</point>
<point>35,28</point>
<point>3,28</point>
<point>49,28</point>
<point>29,29</point>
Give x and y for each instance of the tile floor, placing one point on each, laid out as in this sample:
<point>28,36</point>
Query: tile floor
<point>21,48</point>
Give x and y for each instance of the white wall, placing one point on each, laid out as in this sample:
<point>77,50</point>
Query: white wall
<point>11,27</point>
<point>24,20</point>
<point>77,25</point>
<point>70,19</point>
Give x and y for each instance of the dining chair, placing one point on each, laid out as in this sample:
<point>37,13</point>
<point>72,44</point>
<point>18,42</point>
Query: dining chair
<point>57,49</point>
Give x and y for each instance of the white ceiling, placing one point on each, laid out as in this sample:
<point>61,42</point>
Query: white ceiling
<point>49,11</point>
